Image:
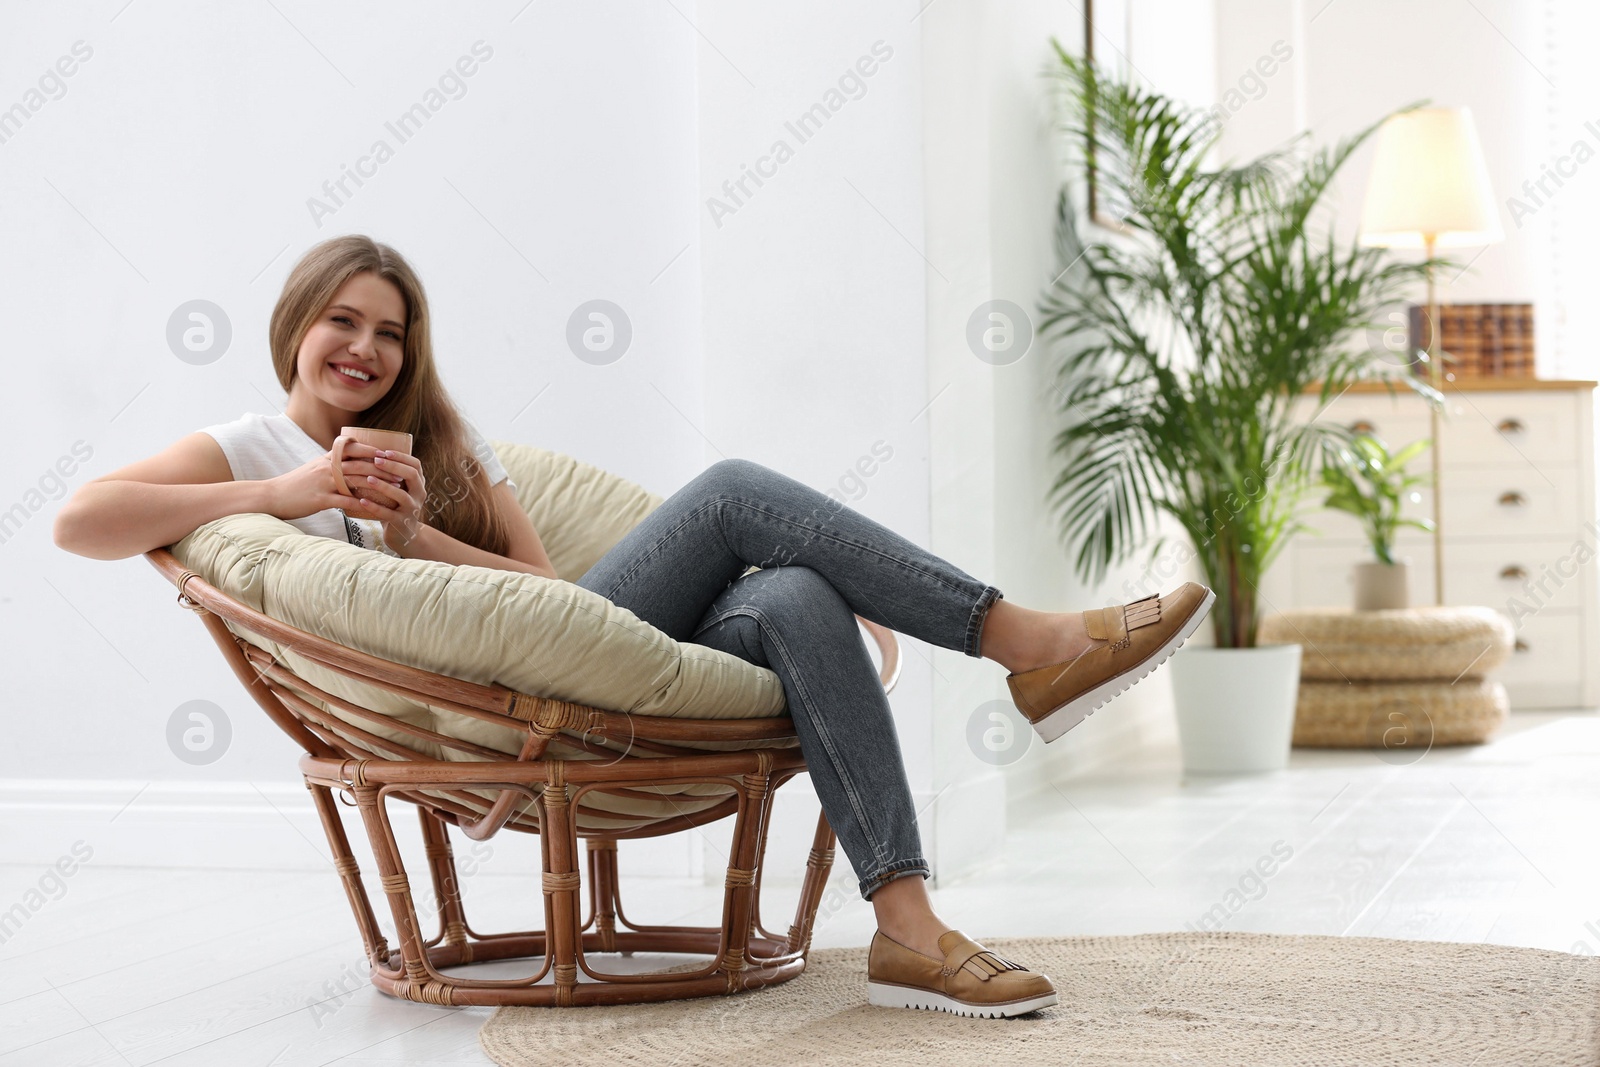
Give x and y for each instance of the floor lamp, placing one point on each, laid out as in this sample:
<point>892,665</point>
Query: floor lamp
<point>1429,189</point>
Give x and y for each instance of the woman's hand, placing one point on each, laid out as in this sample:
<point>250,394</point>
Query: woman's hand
<point>310,487</point>
<point>404,492</point>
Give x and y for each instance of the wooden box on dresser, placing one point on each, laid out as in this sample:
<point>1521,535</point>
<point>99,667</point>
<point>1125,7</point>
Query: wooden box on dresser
<point>1518,476</point>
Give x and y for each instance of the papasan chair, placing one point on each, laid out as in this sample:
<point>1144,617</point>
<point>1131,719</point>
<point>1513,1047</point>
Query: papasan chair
<point>498,701</point>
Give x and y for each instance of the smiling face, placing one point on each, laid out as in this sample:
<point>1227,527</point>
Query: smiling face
<point>351,354</point>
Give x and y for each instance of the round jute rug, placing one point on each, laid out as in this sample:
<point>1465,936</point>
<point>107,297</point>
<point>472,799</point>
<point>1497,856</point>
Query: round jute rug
<point>1227,998</point>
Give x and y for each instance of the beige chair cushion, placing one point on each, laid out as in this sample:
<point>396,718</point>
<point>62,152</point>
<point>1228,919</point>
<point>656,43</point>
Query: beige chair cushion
<point>541,636</point>
<point>579,510</point>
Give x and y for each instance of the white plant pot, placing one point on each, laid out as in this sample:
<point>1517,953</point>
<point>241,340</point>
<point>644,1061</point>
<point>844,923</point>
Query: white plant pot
<point>1235,707</point>
<point>1382,586</point>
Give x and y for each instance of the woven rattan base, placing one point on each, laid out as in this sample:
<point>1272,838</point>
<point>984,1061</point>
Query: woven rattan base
<point>482,792</point>
<point>743,954</point>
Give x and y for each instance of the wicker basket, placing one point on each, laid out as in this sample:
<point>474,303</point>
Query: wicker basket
<point>1400,680</point>
<point>1398,717</point>
<point>1401,644</point>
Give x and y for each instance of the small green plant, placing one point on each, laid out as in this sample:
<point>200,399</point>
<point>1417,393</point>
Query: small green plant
<point>1368,459</point>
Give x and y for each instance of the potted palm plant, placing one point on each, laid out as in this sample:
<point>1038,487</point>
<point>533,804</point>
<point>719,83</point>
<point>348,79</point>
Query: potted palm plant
<point>1183,347</point>
<point>1382,582</point>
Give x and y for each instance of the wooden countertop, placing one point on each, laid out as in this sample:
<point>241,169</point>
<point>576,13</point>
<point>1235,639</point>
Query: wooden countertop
<point>1474,385</point>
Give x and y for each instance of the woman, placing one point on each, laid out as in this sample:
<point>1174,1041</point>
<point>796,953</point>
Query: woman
<point>351,346</point>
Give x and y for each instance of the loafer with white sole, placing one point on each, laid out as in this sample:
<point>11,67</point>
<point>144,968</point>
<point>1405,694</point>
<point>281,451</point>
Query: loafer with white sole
<point>1138,637</point>
<point>970,980</point>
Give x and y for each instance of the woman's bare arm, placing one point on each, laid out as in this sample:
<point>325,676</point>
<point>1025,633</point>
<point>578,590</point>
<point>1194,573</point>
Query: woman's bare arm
<point>156,501</point>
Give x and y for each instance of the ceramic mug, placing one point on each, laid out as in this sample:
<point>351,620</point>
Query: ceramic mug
<point>388,440</point>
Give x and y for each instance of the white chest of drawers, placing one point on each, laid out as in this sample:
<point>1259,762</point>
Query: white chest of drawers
<point>1519,531</point>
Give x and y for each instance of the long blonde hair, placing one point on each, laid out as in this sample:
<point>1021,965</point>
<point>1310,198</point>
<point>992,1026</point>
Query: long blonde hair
<point>459,499</point>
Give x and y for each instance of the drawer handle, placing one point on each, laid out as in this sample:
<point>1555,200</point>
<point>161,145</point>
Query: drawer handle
<point>1510,426</point>
<point>1512,499</point>
<point>1363,426</point>
<point>1513,573</point>
<point>1520,646</point>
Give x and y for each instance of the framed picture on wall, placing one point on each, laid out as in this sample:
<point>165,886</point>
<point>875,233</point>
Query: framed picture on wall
<point>1106,31</point>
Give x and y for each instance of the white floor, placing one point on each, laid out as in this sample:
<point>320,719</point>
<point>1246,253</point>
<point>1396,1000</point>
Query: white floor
<point>1488,843</point>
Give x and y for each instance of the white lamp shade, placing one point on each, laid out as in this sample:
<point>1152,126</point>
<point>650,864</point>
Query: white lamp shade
<point>1429,177</point>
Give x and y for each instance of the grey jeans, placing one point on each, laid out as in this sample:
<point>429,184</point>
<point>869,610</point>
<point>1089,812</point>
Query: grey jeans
<point>822,563</point>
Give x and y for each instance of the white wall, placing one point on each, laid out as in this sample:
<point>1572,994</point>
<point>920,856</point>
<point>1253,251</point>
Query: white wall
<point>178,165</point>
<point>994,165</point>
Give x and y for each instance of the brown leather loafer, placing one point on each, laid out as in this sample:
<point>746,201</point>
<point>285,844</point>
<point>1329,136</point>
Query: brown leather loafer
<point>1139,637</point>
<point>970,980</point>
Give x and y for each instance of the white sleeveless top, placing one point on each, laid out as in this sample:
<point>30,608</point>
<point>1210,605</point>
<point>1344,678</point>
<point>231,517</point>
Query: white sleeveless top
<point>265,446</point>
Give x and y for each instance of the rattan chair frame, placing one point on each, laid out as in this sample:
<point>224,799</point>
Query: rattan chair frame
<point>745,954</point>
